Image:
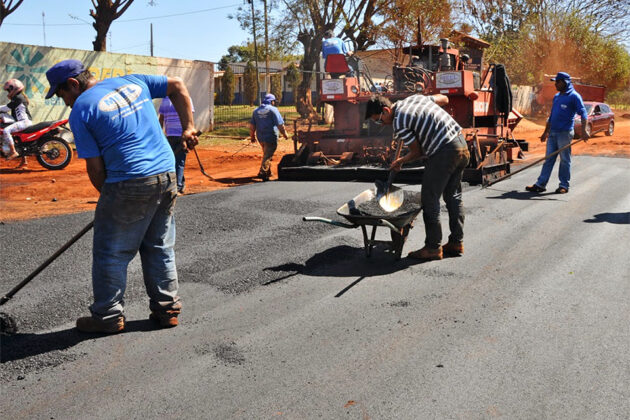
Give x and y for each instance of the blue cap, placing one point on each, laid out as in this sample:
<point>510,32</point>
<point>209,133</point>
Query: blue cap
<point>61,72</point>
<point>269,98</point>
<point>561,76</point>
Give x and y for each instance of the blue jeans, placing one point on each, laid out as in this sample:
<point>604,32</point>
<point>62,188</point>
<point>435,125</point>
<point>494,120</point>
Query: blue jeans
<point>131,216</point>
<point>557,140</point>
<point>180,160</point>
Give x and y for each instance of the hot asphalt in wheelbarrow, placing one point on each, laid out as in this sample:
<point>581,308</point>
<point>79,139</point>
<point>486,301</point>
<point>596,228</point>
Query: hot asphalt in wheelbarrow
<point>364,210</point>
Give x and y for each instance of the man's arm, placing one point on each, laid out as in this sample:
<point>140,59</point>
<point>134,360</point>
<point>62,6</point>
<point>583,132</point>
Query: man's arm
<point>584,123</point>
<point>283,131</point>
<point>440,99</point>
<point>415,151</point>
<point>180,98</point>
<point>96,171</point>
<point>252,133</point>
<point>583,116</point>
<point>545,133</point>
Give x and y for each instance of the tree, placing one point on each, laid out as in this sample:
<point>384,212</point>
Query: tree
<point>292,77</point>
<point>309,19</point>
<point>413,21</point>
<point>245,53</point>
<point>227,86</point>
<point>250,84</point>
<point>7,7</point>
<point>104,13</point>
<point>276,87</point>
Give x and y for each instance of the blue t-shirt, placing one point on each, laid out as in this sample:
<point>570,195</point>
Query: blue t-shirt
<point>333,46</point>
<point>266,118</point>
<point>565,106</point>
<point>115,119</point>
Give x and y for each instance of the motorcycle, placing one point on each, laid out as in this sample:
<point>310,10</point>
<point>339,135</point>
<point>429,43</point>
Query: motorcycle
<point>49,141</point>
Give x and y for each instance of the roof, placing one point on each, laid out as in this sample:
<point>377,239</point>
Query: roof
<point>469,40</point>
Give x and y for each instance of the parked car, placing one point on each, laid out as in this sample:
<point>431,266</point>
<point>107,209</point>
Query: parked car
<point>600,118</point>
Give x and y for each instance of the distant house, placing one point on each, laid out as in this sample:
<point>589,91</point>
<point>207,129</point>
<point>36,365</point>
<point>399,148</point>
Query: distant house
<point>275,68</point>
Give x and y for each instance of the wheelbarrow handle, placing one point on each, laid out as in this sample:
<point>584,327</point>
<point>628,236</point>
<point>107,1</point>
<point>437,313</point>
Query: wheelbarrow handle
<point>384,222</point>
<point>329,221</point>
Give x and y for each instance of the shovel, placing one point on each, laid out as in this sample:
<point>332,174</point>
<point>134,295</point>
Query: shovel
<point>389,197</point>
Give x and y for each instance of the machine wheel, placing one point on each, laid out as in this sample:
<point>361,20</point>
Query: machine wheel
<point>54,153</point>
<point>589,130</point>
<point>611,128</point>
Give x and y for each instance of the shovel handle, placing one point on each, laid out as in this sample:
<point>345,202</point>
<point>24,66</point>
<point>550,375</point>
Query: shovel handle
<point>45,264</point>
<point>392,173</point>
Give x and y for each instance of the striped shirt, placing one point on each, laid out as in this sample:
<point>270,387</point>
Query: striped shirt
<point>418,117</point>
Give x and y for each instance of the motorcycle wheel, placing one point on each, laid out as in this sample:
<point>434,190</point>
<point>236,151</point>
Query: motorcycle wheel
<point>54,153</point>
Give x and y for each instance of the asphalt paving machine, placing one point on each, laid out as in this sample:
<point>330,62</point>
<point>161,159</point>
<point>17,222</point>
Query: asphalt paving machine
<point>351,148</point>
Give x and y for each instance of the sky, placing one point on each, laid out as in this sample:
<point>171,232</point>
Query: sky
<point>189,29</point>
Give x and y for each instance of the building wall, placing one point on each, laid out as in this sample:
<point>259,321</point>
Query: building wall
<point>29,63</point>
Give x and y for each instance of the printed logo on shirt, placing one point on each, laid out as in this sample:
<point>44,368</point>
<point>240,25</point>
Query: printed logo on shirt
<point>122,97</point>
<point>563,106</point>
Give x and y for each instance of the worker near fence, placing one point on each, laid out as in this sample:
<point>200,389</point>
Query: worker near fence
<point>428,130</point>
<point>265,125</point>
<point>559,133</point>
<point>130,162</point>
<point>169,119</point>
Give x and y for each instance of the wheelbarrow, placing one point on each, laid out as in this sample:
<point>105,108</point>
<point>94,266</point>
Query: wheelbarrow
<point>359,214</point>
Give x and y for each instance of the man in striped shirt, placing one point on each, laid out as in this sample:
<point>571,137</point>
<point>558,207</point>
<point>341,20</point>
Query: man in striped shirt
<point>427,129</point>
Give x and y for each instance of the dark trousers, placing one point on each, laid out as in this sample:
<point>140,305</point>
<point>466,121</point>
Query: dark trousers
<point>176,143</point>
<point>443,177</point>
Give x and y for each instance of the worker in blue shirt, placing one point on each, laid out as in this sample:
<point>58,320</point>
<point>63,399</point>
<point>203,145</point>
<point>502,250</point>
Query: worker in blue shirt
<point>559,133</point>
<point>265,125</point>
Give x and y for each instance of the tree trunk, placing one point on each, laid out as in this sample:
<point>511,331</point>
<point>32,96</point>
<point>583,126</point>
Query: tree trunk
<point>312,45</point>
<point>104,13</point>
<point>100,43</point>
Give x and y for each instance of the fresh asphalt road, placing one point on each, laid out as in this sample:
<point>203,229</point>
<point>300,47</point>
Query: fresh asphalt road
<point>289,319</point>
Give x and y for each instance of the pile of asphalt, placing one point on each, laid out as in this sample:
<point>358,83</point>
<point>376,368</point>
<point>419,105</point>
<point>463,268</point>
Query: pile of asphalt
<point>372,208</point>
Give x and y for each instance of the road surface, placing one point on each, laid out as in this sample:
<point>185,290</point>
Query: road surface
<point>288,319</point>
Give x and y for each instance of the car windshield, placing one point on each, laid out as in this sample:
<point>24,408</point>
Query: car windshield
<point>588,108</point>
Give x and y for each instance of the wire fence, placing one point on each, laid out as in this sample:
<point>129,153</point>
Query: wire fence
<point>233,108</point>
<point>233,121</point>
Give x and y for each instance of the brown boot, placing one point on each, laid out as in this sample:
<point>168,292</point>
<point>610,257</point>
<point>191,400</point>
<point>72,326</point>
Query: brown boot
<point>90,324</point>
<point>427,254</point>
<point>166,319</point>
<point>453,249</point>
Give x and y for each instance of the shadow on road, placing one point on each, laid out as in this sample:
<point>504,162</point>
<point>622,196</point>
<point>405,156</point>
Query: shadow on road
<point>524,195</point>
<point>616,218</point>
<point>345,261</point>
<point>22,346</point>
<point>238,181</point>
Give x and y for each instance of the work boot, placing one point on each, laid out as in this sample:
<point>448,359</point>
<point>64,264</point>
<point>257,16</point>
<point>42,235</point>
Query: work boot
<point>535,188</point>
<point>90,324</point>
<point>166,319</point>
<point>453,249</point>
<point>427,254</point>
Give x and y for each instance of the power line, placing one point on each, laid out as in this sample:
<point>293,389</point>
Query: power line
<point>128,20</point>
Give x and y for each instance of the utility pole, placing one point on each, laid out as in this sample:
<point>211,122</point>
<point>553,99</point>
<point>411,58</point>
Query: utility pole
<point>44,27</point>
<point>267,76</point>
<point>151,40</point>
<point>255,51</point>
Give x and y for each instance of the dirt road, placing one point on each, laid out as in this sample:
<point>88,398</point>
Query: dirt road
<point>36,192</point>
